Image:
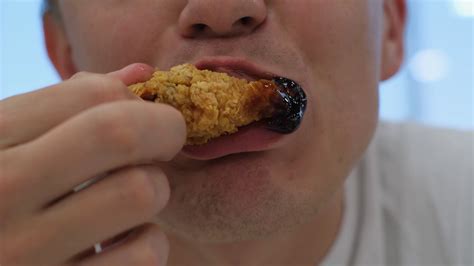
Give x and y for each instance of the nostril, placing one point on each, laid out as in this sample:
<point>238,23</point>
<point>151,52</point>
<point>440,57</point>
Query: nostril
<point>199,27</point>
<point>245,21</point>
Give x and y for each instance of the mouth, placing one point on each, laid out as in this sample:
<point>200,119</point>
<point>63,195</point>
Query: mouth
<point>258,136</point>
<point>235,67</point>
<point>251,138</point>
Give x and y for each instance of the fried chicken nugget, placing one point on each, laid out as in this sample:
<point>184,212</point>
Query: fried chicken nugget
<point>213,104</point>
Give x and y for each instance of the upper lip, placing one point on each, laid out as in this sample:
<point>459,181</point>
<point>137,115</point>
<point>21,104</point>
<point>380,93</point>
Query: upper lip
<point>235,67</point>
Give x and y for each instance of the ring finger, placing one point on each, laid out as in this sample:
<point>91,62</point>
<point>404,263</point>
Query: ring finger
<point>119,202</point>
<point>147,246</point>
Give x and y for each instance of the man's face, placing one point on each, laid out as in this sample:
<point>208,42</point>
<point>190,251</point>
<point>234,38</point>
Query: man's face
<point>331,47</point>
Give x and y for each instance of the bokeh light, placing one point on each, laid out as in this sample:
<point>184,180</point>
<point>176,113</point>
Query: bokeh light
<point>464,8</point>
<point>429,65</point>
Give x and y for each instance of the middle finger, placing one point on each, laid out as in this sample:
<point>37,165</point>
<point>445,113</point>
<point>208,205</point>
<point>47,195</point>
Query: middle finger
<point>101,139</point>
<point>27,116</point>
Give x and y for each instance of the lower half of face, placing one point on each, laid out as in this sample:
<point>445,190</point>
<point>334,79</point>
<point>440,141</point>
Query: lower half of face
<point>250,196</point>
<point>330,47</point>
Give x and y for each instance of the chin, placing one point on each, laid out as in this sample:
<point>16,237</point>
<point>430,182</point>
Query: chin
<point>247,196</point>
<point>235,198</point>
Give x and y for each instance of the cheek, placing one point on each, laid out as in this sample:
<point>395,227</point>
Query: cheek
<point>330,30</point>
<point>102,41</point>
<point>340,41</point>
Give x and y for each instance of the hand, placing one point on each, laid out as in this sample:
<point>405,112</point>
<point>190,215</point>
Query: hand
<point>56,138</point>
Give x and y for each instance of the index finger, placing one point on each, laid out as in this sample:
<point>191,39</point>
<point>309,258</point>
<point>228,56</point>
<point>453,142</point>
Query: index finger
<point>102,139</point>
<point>133,73</point>
<point>128,75</point>
<point>27,116</point>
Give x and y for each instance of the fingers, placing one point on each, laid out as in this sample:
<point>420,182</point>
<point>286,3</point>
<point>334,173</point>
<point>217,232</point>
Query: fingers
<point>133,73</point>
<point>53,139</point>
<point>121,201</point>
<point>147,246</point>
<point>25,117</point>
<point>101,139</point>
<point>128,75</point>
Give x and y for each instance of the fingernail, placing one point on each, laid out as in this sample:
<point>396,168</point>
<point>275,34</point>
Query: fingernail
<point>143,67</point>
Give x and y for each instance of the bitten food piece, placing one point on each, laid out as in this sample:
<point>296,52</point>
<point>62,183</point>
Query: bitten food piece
<point>214,104</point>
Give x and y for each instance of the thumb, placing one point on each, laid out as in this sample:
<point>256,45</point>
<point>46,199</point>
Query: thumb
<point>133,73</point>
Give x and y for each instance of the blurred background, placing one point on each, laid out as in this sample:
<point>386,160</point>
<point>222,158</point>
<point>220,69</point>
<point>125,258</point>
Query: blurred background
<point>435,86</point>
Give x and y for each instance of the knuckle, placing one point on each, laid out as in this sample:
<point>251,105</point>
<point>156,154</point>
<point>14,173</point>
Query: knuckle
<point>176,125</point>
<point>171,126</point>
<point>79,75</point>
<point>116,129</point>
<point>153,250</point>
<point>163,187</point>
<point>106,89</point>
<point>146,257</point>
<point>140,193</point>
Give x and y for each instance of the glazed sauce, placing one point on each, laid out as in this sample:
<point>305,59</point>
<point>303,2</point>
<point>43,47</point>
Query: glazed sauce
<point>289,106</point>
<point>281,102</point>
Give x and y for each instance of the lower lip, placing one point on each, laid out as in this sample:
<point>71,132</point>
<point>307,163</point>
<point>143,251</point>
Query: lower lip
<point>250,138</point>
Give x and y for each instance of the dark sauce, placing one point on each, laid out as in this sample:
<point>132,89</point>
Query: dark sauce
<point>289,108</point>
<point>149,96</point>
<point>286,102</point>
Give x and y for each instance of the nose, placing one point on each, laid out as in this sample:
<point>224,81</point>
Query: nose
<point>221,18</point>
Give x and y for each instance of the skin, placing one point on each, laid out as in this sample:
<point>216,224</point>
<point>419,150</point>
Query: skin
<point>278,207</point>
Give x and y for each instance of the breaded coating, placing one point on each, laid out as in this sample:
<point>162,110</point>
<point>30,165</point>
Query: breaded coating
<point>213,104</point>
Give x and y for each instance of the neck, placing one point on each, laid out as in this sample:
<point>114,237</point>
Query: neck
<point>308,245</point>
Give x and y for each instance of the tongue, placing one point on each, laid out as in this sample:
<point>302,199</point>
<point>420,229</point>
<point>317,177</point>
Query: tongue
<point>250,138</point>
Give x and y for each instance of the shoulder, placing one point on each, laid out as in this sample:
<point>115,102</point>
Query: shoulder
<point>432,160</point>
<point>423,150</point>
<point>425,180</point>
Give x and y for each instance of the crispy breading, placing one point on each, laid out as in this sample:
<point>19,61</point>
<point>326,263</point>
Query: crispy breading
<point>212,103</point>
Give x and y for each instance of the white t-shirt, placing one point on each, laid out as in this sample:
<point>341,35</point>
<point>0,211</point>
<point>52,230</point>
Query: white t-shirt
<point>409,201</point>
